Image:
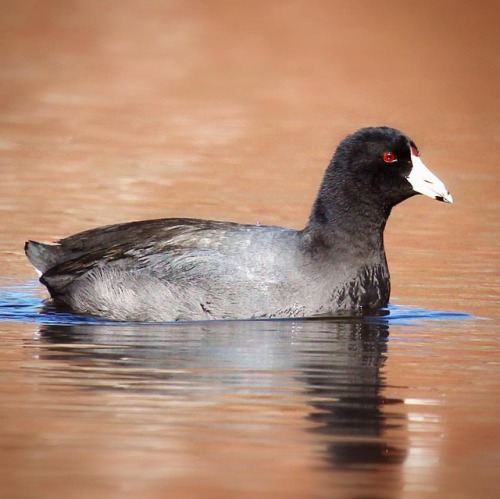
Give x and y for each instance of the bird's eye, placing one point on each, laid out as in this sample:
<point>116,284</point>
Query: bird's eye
<point>390,157</point>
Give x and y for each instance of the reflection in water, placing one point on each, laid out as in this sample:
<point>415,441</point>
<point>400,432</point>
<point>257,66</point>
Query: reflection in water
<point>336,364</point>
<point>346,395</point>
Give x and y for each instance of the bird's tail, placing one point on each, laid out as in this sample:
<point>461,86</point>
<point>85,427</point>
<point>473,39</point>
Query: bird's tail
<point>42,256</point>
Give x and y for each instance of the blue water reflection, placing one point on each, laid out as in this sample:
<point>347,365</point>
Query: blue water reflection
<point>21,304</point>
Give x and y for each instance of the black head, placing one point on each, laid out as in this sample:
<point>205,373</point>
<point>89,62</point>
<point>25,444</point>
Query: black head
<point>382,166</point>
<point>371,171</point>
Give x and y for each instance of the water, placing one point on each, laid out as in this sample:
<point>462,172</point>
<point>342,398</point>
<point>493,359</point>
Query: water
<point>22,303</point>
<point>231,111</point>
<point>359,407</point>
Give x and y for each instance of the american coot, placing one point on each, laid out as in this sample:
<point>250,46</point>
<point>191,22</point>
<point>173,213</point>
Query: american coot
<point>181,269</point>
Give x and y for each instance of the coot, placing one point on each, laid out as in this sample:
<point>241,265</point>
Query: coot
<point>181,269</point>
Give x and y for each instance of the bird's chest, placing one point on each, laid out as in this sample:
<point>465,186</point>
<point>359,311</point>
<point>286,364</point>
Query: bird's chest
<point>368,288</point>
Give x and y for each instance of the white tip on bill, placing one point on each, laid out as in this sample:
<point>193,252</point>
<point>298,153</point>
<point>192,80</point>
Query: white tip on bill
<point>425,182</point>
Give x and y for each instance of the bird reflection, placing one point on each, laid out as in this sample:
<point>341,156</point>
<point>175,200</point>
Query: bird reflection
<point>337,364</point>
<point>346,389</point>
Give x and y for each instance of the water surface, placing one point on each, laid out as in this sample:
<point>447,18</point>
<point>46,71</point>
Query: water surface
<point>378,406</point>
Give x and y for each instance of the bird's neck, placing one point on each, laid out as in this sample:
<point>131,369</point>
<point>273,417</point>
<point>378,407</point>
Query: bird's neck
<point>345,222</point>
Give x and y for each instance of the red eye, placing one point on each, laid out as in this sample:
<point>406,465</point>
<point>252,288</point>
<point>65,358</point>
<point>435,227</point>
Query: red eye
<point>390,157</point>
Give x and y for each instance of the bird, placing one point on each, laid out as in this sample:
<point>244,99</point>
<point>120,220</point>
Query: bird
<point>186,269</point>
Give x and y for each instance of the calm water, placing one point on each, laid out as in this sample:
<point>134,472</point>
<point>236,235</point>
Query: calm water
<point>238,407</point>
<point>231,110</point>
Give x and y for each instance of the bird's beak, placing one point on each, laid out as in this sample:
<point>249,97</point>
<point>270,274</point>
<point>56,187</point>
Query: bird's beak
<point>425,182</point>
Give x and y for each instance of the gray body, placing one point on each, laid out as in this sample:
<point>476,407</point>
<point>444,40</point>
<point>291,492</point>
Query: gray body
<point>183,269</point>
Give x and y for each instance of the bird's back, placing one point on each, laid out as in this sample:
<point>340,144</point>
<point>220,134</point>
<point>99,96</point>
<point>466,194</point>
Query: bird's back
<point>170,269</point>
